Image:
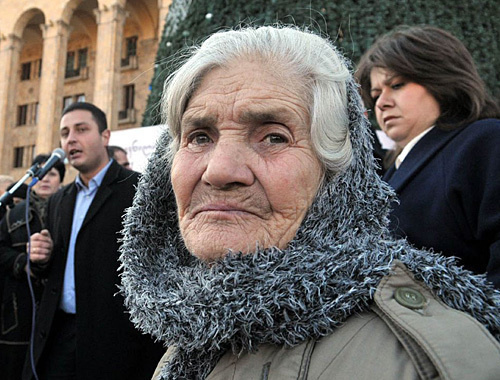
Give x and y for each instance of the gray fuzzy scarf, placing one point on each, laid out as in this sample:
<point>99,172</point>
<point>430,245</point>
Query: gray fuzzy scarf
<point>329,271</point>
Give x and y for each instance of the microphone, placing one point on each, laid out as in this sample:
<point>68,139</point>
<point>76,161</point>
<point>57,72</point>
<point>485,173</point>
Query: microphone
<point>57,154</point>
<point>36,172</point>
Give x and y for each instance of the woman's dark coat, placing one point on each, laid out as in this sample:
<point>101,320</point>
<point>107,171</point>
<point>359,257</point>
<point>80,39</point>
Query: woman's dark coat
<point>16,308</point>
<point>449,192</point>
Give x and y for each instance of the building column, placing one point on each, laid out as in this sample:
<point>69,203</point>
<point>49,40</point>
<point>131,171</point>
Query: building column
<point>10,49</point>
<point>55,42</point>
<point>110,22</point>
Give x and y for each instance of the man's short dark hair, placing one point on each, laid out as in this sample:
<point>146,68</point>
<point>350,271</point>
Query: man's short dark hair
<point>41,158</point>
<point>98,114</point>
<point>112,149</point>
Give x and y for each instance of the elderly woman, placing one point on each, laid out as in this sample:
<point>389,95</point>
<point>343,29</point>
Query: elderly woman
<point>427,96</point>
<point>256,247</point>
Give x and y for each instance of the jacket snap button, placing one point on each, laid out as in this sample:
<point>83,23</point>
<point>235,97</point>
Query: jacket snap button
<point>410,298</point>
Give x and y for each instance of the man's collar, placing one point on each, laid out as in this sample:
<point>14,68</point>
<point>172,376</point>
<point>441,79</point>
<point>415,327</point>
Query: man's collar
<point>96,180</point>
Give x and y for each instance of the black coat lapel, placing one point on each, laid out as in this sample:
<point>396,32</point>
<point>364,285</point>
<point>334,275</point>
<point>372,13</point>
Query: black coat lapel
<point>419,156</point>
<point>103,193</point>
<point>66,218</point>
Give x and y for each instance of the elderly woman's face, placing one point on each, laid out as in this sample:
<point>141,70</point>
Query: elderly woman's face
<point>245,173</point>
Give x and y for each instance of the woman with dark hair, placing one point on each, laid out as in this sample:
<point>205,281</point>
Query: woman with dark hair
<point>428,97</point>
<point>16,310</point>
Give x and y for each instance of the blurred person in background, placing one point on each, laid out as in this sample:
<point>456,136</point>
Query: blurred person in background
<point>5,181</point>
<point>119,154</point>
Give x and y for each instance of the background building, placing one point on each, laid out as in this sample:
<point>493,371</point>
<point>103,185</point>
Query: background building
<point>54,52</point>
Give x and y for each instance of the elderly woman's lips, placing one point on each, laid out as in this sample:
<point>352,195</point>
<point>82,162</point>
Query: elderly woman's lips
<point>221,209</point>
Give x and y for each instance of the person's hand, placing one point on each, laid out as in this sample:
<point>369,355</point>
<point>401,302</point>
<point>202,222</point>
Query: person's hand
<point>41,247</point>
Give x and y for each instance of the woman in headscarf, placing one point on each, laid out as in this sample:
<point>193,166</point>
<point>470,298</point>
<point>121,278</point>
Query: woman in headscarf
<point>257,247</point>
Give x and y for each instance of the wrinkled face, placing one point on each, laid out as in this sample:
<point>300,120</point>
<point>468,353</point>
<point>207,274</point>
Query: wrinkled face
<point>84,145</point>
<point>245,173</point>
<point>49,184</point>
<point>403,109</point>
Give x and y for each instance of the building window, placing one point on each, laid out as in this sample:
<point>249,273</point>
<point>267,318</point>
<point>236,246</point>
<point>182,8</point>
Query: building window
<point>26,71</point>
<point>23,155</point>
<point>22,114</point>
<point>71,71</point>
<point>82,58</point>
<point>127,114</point>
<point>27,114</point>
<point>38,68</point>
<point>128,96</point>
<point>130,51</point>
<point>18,157</point>
<point>33,114</point>
<point>67,100</point>
<point>76,63</point>
<point>31,70</point>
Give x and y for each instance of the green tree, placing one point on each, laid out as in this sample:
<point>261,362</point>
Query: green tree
<point>352,24</point>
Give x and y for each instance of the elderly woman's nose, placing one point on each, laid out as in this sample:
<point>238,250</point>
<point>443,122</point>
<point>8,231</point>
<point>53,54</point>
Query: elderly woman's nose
<point>228,165</point>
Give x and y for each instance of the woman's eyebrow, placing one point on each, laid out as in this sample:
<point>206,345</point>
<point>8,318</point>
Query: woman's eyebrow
<point>258,117</point>
<point>194,122</point>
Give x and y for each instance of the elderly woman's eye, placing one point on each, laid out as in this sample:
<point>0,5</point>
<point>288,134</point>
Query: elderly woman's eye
<point>199,139</point>
<point>275,139</point>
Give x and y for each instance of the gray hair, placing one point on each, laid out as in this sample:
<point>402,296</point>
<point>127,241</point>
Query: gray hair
<point>312,61</point>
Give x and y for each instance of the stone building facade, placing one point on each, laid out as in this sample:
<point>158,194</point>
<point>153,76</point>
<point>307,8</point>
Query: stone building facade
<point>54,52</point>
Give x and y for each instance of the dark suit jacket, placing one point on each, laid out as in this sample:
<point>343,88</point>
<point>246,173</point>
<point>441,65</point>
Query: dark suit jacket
<point>449,192</point>
<point>108,346</point>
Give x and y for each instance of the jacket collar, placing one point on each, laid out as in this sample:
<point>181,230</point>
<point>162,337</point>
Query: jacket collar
<point>419,156</point>
<point>103,193</point>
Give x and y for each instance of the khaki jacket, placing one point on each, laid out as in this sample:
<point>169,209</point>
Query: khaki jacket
<point>408,334</point>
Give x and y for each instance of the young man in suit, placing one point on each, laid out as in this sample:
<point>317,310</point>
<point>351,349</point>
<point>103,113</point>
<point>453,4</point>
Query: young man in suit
<point>82,330</point>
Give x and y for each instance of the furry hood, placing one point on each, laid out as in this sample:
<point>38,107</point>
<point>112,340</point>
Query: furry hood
<point>329,271</point>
